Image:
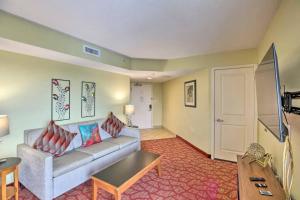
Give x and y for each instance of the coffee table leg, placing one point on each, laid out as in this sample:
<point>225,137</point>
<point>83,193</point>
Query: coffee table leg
<point>16,183</point>
<point>117,195</point>
<point>159,169</point>
<point>95,190</point>
<point>3,186</point>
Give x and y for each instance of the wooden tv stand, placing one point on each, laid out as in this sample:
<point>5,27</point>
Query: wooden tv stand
<point>246,188</point>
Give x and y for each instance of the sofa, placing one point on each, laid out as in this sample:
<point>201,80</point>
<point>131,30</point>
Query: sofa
<point>48,177</point>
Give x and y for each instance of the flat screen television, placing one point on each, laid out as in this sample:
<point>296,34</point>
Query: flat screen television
<point>269,105</point>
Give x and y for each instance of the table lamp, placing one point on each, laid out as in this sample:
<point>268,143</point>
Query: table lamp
<point>4,130</point>
<point>129,110</point>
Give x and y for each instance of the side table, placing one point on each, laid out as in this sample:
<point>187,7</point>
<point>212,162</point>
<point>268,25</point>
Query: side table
<point>10,166</point>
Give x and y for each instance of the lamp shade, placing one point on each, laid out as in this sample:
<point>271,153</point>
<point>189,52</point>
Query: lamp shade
<point>4,128</point>
<point>129,109</point>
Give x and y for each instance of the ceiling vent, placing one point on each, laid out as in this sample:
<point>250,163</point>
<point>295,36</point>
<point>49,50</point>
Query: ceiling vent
<point>91,51</point>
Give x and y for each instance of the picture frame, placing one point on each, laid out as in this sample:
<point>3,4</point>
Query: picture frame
<point>60,99</point>
<point>190,93</point>
<point>88,99</point>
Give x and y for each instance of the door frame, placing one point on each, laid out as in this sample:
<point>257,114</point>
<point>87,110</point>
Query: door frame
<point>212,104</point>
<point>130,99</point>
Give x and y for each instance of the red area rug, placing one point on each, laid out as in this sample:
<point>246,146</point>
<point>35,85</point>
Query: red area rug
<point>186,175</point>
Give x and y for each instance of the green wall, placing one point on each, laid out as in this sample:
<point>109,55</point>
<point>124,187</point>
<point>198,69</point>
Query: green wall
<point>284,31</point>
<point>157,104</point>
<point>239,57</point>
<point>193,124</point>
<point>147,64</point>
<point>26,89</point>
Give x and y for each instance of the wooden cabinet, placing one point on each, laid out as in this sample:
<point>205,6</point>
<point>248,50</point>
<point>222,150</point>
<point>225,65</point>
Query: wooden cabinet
<point>247,189</point>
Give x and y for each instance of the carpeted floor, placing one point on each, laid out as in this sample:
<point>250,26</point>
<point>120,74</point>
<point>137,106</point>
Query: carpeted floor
<point>186,175</point>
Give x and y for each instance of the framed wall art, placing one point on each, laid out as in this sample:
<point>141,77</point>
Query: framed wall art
<point>60,99</point>
<point>88,97</point>
<point>190,99</point>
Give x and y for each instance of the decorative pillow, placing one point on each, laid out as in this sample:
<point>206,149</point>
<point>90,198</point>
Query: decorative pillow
<point>112,125</point>
<point>89,134</point>
<point>54,140</point>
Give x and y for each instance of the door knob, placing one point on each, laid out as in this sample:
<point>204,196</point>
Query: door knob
<point>220,120</point>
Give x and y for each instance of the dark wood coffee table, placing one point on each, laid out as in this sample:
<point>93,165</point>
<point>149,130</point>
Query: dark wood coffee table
<point>123,174</point>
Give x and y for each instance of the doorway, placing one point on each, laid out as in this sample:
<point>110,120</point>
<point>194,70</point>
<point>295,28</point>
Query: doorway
<point>233,111</point>
<point>141,98</point>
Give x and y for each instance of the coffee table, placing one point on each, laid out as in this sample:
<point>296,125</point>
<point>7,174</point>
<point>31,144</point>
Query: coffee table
<point>123,174</point>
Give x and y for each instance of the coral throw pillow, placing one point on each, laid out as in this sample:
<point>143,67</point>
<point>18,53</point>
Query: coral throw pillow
<point>112,125</point>
<point>89,134</point>
<point>54,140</point>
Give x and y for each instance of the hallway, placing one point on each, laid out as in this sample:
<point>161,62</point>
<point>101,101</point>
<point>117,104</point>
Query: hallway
<point>156,133</point>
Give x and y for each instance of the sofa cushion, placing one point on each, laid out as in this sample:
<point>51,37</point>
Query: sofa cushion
<point>54,140</point>
<point>69,161</point>
<point>77,141</point>
<point>100,149</point>
<point>122,141</point>
<point>103,134</point>
<point>112,125</point>
<point>89,134</point>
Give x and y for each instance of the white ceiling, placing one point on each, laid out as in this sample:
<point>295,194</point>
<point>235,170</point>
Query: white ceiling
<point>161,29</point>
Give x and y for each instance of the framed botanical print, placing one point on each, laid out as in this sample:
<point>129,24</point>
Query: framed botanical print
<point>88,95</point>
<point>190,99</point>
<point>60,99</point>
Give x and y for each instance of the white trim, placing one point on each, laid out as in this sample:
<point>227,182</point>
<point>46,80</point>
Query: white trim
<point>212,110</point>
<point>232,67</point>
<point>152,108</point>
<point>212,104</point>
<point>255,107</point>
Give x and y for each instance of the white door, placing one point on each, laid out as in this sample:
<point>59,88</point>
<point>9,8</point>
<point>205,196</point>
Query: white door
<point>141,96</point>
<point>234,112</point>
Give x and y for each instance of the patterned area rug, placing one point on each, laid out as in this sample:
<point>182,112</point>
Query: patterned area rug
<point>186,175</point>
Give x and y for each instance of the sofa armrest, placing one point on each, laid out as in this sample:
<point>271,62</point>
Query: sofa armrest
<point>36,171</point>
<point>132,132</point>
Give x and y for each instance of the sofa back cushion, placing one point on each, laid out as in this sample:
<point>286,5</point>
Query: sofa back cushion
<point>74,128</point>
<point>31,135</point>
